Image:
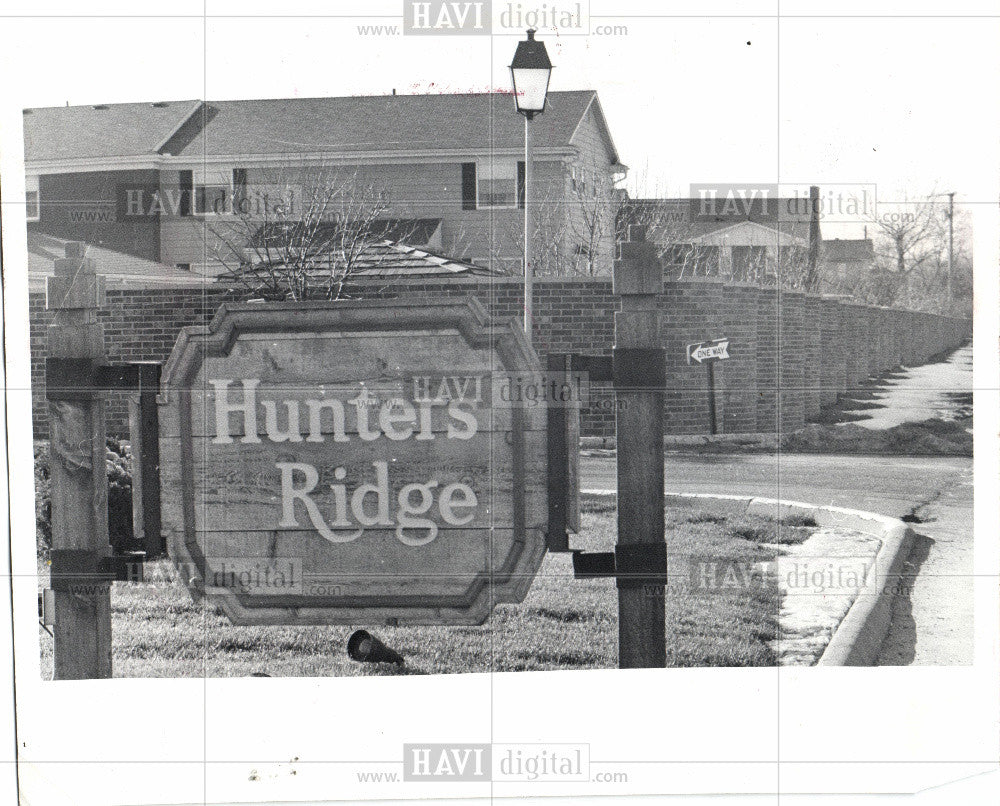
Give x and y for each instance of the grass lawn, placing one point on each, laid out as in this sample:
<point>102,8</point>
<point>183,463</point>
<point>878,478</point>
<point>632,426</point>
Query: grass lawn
<point>563,623</point>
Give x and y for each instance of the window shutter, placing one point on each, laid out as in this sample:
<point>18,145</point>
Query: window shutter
<point>468,186</point>
<point>187,191</point>
<point>239,189</point>
<point>520,184</point>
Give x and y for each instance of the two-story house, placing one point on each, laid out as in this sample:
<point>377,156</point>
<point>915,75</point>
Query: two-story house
<point>161,180</point>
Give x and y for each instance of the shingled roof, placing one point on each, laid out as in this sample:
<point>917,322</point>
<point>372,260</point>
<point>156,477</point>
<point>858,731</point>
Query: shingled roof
<point>377,258</point>
<point>119,269</point>
<point>381,123</point>
<point>103,130</point>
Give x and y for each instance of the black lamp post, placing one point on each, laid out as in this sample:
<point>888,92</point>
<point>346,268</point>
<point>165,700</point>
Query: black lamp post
<point>530,73</point>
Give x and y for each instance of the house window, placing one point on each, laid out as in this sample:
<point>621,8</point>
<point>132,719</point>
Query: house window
<point>793,258</point>
<point>678,254</point>
<point>186,184</point>
<point>240,202</point>
<point>214,190</point>
<point>210,199</point>
<point>32,207</point>
<point>706,260</point>
<point>749,262</point>
<point>497,183</point>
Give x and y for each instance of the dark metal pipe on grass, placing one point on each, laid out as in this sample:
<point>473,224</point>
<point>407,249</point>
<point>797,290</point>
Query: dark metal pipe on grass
<point>364,647</point>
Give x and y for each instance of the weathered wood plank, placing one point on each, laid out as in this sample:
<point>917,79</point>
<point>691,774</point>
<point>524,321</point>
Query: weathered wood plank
<point>332,358</point>
<point>79,485</point>
<point>451,560</point>
<point>641,613</point>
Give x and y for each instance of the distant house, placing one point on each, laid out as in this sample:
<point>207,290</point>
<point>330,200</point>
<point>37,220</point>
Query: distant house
<point>751,244</point>
<point>152,180</point>
<point>846,266</point>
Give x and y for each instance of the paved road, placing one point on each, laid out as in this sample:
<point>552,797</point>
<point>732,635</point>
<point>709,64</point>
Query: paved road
<point>888,485</point>
<point>932,625</point>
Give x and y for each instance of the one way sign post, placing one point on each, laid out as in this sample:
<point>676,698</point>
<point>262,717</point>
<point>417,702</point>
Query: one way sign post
<point>708,352</point>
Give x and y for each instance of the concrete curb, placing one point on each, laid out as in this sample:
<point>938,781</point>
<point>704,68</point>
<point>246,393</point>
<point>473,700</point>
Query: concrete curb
<point>860,634</point>
<point>762,439</point>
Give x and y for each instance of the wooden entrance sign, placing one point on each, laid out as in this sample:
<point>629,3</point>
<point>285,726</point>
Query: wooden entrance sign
<point>355,462</point>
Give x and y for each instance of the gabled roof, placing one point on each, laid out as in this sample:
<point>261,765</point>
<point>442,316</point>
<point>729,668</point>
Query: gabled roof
<point>594,107</point>
<point>104,130</point>
<point>470,122</point>
<point>679,218</point>
<point>474,122</point>
<point>751,233</point>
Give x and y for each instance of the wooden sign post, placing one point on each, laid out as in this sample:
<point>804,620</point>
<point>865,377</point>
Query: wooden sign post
<point>82,629</point>
<point>639,377</point>
<point>354,462</point>
<point>144,432</point>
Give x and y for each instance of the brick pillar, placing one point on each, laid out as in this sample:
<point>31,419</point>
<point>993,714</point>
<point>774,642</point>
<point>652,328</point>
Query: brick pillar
<point>740,327</point>
<point>881,351</point>
<point>870,348</point>
<point>832,337</point>
<point>767,360</point>
<point>858,332</point>
<point>901,327</point>
<point>907,336</point>
<point>791,364</point>
<point>812,365</point>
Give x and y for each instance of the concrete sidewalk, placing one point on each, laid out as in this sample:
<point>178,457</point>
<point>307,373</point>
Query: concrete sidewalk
<point>932,625</point>
<point>932,616</point>
<point>920,393</point>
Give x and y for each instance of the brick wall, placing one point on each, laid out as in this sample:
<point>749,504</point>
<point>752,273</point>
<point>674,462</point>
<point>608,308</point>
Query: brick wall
<point>789,352</point>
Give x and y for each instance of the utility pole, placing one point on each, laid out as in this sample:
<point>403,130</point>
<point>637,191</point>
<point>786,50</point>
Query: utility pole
<point>951,250</point>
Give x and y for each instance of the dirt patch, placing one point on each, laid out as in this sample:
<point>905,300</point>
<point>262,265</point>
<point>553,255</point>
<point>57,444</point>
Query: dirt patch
<point>934,437</point>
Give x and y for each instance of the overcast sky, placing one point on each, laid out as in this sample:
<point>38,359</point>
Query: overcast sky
<point>908,105</point>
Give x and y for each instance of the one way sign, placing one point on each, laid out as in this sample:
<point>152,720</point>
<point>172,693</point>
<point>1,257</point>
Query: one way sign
<point>714,350</point>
